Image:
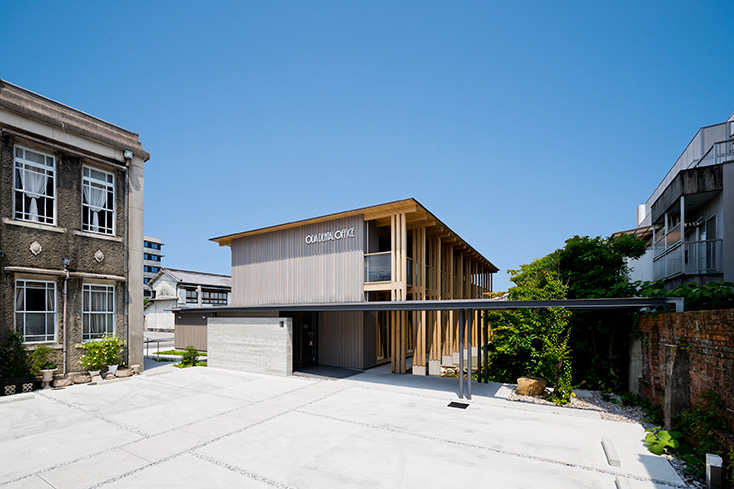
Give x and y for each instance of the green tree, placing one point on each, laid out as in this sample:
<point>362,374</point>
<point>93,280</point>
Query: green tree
<point>534,341</point>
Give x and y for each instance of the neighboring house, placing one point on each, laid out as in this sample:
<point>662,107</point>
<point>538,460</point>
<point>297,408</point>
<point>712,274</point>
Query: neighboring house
<point>71,235</point>
<point>397,251</point>
<point>689,218</point>
<point>152,258</point>
<point>183,288</point>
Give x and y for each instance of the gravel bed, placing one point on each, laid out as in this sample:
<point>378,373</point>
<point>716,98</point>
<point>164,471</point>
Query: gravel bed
<point>614,411</point>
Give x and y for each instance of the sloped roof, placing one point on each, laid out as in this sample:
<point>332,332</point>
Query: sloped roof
<point>415,213</point>
<point>196,278</point>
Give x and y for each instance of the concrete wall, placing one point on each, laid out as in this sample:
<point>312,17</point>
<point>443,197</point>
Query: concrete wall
<point>258,345</point>
<point>726,221</point>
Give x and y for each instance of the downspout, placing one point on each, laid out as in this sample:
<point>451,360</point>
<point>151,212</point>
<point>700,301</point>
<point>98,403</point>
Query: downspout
<point>63,318</point>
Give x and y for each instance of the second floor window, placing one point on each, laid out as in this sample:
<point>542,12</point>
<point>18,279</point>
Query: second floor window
<point>213,297</point>
<point>191,296</point>
<point>34,185</point>
<point>98,201</point>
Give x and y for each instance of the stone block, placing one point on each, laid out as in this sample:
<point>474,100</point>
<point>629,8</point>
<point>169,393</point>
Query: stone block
<point>447,360</point>
<point>419,370</point>
<point>62,382</point>
<point>434,367</point>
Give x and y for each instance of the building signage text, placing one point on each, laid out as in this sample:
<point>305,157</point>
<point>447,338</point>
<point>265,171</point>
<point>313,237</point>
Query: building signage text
<point>330,236</point>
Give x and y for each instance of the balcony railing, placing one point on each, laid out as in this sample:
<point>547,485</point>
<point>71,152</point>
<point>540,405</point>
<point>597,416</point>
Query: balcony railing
<point>667,241</point>
<point>692,258</point>
<point>377,267</point>
<point>703,256</point>
<point>720,152</point>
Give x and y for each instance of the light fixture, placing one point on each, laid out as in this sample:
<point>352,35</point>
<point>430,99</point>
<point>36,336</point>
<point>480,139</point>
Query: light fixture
<point>66,262</point>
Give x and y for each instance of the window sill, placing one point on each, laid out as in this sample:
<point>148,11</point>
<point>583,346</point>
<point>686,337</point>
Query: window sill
<point>108,237</point>
<point>33,225</point>
<point>51,344</point>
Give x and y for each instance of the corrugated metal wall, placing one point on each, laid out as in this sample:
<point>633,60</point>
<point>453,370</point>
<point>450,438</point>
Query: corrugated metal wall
<point>341,339</point>
<point>283,268</point>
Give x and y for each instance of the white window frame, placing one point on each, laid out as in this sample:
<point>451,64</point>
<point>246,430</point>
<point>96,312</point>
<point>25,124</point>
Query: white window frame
<point>87,313</point>
<point>22,163</point>
<point>108,185</point>
<point>22,313</point>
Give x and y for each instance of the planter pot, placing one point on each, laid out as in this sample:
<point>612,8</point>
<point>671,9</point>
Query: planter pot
<point>530,386</point>
<point>16,385</point>
<point>94,374</point>
<point>112,369</point>
<point>47,376</point>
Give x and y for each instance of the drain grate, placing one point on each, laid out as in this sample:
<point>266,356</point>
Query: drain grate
<point>458,405</point>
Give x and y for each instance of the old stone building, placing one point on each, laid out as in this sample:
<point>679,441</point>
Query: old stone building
<point>71,235</point>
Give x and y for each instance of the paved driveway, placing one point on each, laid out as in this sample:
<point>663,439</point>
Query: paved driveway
<point>211,428</point>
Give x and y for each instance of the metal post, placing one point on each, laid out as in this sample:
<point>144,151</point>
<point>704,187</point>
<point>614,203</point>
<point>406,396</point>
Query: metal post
<point>480,336</point>
<point>469,314</point>
<point>461,353</point>
<point>485,326</point>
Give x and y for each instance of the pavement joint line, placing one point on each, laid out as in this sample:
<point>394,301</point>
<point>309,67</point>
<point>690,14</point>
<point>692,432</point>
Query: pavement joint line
<point>96,415</point>
<point>246,473</point>
<point>496,450</point>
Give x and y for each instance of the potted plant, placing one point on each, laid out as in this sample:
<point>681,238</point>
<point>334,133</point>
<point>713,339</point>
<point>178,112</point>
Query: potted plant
<point>100,353</point>
<point>16,374</point>
<point>94,357</point>
<point>41,361</point>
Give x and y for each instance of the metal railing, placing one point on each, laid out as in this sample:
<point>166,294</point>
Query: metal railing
<point>703,256</point>
<point>692,257</point>
<point>720,152</point>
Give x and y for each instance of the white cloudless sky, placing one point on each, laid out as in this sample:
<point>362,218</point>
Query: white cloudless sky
<point>519,124</point>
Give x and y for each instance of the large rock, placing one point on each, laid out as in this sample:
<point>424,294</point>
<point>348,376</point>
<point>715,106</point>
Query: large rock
<point>530,386</point>
<point>62,382</point>
<point>123,372</point>
<point>82,379</point>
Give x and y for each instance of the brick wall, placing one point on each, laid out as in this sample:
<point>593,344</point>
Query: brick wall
<point>710,336</point>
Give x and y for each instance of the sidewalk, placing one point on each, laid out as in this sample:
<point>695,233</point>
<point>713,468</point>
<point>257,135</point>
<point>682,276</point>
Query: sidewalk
<point>206,427</point>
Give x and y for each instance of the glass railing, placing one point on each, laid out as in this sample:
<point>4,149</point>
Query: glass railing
<point>673,236</point>
<point>377,267</point>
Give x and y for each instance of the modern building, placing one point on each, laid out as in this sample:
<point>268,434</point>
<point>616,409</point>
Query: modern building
<point>152,258</point>
<point>71,240</point>
<point>171,287</point>
<point>397,251</point>
<point>689,218</point>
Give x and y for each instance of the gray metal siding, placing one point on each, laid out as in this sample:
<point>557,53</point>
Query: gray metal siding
<point>341,339</point>
<point>282,268</point>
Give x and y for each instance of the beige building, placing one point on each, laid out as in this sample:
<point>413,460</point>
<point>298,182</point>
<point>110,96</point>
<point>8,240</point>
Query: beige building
<point>71,235</point>
<point>397,251</point>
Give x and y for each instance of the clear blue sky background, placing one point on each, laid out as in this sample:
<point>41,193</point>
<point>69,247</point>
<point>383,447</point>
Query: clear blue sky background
<point>519,124</point>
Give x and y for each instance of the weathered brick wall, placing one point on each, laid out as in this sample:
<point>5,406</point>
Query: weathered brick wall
<point>710,337</point>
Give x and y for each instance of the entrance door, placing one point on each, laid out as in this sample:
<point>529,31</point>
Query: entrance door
<point>305,348</point>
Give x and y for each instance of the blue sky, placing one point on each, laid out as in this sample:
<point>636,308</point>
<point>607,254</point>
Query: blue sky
<point>519,124</point>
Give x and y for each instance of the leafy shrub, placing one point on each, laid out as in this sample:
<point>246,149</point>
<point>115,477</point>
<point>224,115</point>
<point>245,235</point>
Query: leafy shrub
<point>190,357</point>
<point>713,295</point>
<point>14,361</point>
<point>41,359</point>
<point>102,352</point>
<point>659,440</point>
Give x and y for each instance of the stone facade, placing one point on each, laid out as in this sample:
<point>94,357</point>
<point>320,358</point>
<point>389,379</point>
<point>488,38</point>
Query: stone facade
<point>34,251</point>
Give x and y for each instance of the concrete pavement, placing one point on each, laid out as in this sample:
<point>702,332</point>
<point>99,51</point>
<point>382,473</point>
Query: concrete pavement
<point>206,427</point>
